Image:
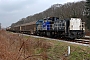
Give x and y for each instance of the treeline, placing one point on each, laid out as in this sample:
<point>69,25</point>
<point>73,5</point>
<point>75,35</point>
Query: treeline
<point>0,25</point>
<point>68,10</point>
<point>88,14</point>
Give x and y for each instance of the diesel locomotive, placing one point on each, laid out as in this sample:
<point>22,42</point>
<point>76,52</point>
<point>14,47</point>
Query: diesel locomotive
<point>67,28</point>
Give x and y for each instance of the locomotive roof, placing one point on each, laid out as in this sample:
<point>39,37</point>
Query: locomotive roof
<point>30,23</point>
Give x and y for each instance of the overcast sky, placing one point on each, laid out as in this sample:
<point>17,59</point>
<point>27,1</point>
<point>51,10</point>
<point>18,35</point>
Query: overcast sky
<point>13,10</point>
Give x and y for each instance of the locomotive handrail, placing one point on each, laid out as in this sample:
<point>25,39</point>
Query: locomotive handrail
<point>51,26</point>
<point>82,26</point>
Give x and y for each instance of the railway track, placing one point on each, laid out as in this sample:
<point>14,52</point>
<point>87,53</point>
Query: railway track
<point>85,41</point>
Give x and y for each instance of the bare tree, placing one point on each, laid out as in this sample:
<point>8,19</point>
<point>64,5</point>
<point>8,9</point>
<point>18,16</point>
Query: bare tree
<point>68,10</point>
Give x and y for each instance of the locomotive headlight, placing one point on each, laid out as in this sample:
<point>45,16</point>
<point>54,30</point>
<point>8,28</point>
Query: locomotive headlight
<point>78,33</point>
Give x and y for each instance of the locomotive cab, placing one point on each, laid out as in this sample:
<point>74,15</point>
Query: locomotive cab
<point>48,23</point>
<point>48,26</point>
<point>76,28</point>
<point>38,27</point>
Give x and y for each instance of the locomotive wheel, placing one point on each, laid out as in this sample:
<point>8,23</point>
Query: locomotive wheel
<point>49,34</point>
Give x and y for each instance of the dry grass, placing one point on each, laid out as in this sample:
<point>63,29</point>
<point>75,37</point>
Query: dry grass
<point>17,47</point>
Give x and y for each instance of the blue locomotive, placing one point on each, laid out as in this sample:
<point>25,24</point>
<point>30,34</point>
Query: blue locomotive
<point>67,28</point>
